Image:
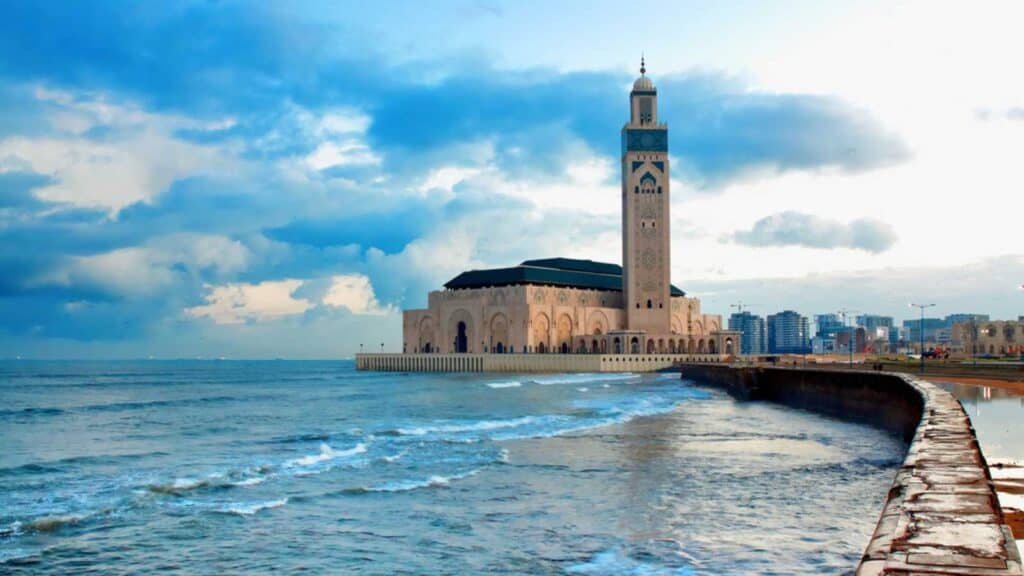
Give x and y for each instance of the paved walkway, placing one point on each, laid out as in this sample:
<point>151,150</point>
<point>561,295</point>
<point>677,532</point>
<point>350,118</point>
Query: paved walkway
<point>942,516</point>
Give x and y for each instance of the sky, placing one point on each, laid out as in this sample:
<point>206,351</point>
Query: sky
<point>264,180</point>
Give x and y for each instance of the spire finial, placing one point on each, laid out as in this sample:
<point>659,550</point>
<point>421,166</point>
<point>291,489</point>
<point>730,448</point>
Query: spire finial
<point>643,69</point>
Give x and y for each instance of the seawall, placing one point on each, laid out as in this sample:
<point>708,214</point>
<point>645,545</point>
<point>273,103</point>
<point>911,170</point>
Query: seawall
<point>942,515</point>
<point>385,362</point>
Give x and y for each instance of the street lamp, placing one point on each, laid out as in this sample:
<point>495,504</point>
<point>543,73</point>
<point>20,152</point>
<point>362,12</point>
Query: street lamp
<point>921,350</point>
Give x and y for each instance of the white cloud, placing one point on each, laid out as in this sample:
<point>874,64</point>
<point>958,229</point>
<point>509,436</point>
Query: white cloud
<point>344,122</point>
<point>355,293</point>
<point>137,158</point>
<point>345,153</point>
<point>240,302</point>
<point>147,270</point>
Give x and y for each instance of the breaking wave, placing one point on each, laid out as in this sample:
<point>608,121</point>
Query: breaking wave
<point>326,454</point>
<point>252,508</point>
<point>499,385</point>
<point>435,481</point>
<point>584,378</point>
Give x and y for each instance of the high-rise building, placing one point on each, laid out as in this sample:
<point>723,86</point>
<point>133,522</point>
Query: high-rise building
<point>827,325</point>
<point>788,333</point>
<point>957,318</point>
<point>752,330</point>
<point>932,327</point>
<point>871,322</point>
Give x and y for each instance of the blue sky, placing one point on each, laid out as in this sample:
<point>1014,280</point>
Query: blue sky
<point>267,180</point>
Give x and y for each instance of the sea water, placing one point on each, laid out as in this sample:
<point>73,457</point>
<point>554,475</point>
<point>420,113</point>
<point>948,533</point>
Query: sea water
<point>251,467</point>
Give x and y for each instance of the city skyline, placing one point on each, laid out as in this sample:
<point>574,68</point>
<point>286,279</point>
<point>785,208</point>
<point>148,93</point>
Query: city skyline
<point>257,181</point>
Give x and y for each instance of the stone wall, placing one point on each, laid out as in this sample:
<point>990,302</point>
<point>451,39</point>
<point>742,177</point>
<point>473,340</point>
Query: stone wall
<point>527,362</point>
<point>942,515</point>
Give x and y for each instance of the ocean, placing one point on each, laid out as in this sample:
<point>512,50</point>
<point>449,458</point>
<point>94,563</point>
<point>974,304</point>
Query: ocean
<point>233,467</point>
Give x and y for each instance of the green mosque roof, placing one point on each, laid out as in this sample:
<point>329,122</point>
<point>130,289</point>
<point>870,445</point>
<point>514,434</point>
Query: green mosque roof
<point>568,272</point>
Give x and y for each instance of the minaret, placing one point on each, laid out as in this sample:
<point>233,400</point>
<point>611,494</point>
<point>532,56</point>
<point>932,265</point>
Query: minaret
<point>646,260</point>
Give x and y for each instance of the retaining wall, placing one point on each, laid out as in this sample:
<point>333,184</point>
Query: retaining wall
<point>528,362</point>
<point>942,515</point>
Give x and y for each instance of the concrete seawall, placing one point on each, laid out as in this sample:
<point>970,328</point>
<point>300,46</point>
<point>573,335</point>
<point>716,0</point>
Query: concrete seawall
<point>528,362</point>
<point>942,515</point>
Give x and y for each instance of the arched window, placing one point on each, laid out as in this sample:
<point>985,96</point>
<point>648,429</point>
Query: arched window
<point>659,189</point>
<point>650,304</point>
<point>636,189</point>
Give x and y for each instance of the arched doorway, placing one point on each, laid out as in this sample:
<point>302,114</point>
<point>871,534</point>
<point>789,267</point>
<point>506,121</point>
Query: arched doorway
<point>700,346</point>
<point>541,332</point>
<point>617,345</point>
<point>634,345</point>
<point>712,346</point>
<point>426,348</point>
<point>671,346</point>
<point>650,346</point>
<point>498,333</point>
<point>563,333</point>
<point>594,346</point>
<point>728,346</point>
<point>461,341</point>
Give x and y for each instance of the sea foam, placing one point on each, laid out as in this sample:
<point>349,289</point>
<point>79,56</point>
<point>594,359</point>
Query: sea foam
<point>326,454</point>
<point>498,385</point>
<point>248,509</point>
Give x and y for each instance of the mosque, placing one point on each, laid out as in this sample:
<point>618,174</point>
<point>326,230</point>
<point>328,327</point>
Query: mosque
<point>562,305</point>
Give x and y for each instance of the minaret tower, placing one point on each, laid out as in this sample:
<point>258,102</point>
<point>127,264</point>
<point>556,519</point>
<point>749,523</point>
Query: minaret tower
<point>646,260</point>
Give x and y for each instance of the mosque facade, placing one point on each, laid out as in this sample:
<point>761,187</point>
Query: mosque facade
<point>563,305</point>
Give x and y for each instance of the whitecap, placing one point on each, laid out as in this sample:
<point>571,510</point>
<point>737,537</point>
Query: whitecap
<point>250,481</point>
<point>248,509</point>
<point>477,426</point>
<point>614,563</point>
<point>49,523</point>
<point>512,384</point>
<point>435,481</point>
<point>583,389</point>
<point>181,485</point>
<point>584,378</point>
<point>326,453</point>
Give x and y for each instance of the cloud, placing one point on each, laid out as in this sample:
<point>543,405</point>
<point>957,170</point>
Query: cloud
<point>987,286</point>
<point>286,81</point>
<point>1011,113</point>
<point>799,229</point>
<point>354,293</point>
<point>160,158</point>
<point>238,303</point>
<point>104,154</point>
<point>16,189</point>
